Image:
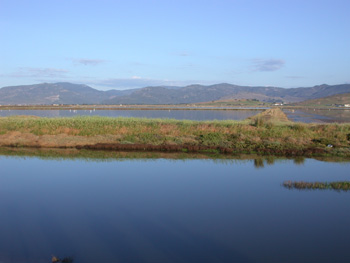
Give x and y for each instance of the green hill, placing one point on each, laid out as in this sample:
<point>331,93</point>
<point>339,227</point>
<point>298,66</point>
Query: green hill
<point>235,102</point>
<point>68,93</point>
<point>335,100</point>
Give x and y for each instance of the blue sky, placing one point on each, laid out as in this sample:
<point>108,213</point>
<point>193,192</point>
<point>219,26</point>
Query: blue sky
<point>111,44</point>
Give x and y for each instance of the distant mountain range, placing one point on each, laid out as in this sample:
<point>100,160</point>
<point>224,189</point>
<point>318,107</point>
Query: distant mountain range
<point>68,93</point>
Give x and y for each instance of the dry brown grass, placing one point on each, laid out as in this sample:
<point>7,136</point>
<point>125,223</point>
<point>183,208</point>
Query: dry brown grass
<point>246,136</point>
<point>274,114</point>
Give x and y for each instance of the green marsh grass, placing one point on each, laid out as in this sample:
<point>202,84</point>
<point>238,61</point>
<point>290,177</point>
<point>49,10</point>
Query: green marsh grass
<point>241,136</point>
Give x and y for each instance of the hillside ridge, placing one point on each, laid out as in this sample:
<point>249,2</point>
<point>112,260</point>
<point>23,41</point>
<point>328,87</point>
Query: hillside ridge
<point>69,93</point>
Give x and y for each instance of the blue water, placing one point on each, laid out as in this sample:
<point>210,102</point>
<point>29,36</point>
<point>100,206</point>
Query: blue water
<point>170,114</point>
<point>162,210</point>
<point>319,115</point>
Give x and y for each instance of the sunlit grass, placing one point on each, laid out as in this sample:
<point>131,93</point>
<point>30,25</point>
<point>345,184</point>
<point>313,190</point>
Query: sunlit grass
<point>247,136</point>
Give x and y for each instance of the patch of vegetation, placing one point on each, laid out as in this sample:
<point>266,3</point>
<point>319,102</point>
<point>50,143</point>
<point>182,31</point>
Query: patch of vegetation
<point>339,186</point>
<point>211,139</point>
<point>259,122</point>
<point>267,133</point>
<point>55,259</point>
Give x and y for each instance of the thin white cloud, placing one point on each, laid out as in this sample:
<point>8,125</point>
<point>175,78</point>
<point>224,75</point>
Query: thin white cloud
<point>139,82</point>
<point>267,64</point>
<point>29,72</point>
<point>180,53</point>
<point>187,66</point>
<point>184,54</point>
<point>88,62</point>
<point>295,77</point>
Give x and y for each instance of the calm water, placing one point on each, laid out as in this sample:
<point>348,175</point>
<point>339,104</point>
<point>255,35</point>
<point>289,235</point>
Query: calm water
<point>306,116</point>
<point>319,116</point>
<point>172,114</point>
<point>161,210</point>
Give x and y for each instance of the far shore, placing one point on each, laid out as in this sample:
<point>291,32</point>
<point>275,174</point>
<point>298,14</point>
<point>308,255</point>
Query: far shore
<point>192,106</point>
<point>268,133</point>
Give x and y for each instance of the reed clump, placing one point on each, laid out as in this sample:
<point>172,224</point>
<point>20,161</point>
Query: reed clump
<point>339,186</point>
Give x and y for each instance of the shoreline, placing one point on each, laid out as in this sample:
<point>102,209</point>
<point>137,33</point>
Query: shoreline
<point>106,155</point>
<point>184,148</point>
<point>309,152</point>
<point>194,106</point>
<point>267,133</point>
<point>134,107</point>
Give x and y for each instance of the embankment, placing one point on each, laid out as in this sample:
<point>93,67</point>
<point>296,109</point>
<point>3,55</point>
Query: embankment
<point>267,133</point>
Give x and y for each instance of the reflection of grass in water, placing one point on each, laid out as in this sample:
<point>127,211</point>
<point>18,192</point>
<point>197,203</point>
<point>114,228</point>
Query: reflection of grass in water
<point>108,156</point>
<point>339,186</point>
<point>299,160</point>
<point>259,163</point>
<point>55,259</point>
<point>270,160</point>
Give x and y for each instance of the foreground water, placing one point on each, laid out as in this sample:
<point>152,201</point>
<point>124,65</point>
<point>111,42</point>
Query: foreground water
<point>170,210</point>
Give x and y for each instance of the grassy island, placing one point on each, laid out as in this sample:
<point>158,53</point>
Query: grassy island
<point>267,133</point>
<point>338,186</point>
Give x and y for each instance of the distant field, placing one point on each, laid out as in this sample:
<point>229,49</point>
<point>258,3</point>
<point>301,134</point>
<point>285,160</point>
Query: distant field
<point>326,102</point>
<point>331,101</point>
<point>194,106</point>
<point>241,102</point>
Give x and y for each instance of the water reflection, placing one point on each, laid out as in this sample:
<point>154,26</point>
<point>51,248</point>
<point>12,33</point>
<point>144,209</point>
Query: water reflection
<point>270,160</point>
<point>297,115</point>
<point>99,206</point>
<point>259,163</point>
<point>55,259</point>
<point>299,160</point>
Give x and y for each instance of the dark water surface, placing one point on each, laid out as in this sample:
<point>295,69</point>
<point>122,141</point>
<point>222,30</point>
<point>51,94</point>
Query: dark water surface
<point>170,114</point>
<point>162,210</point>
